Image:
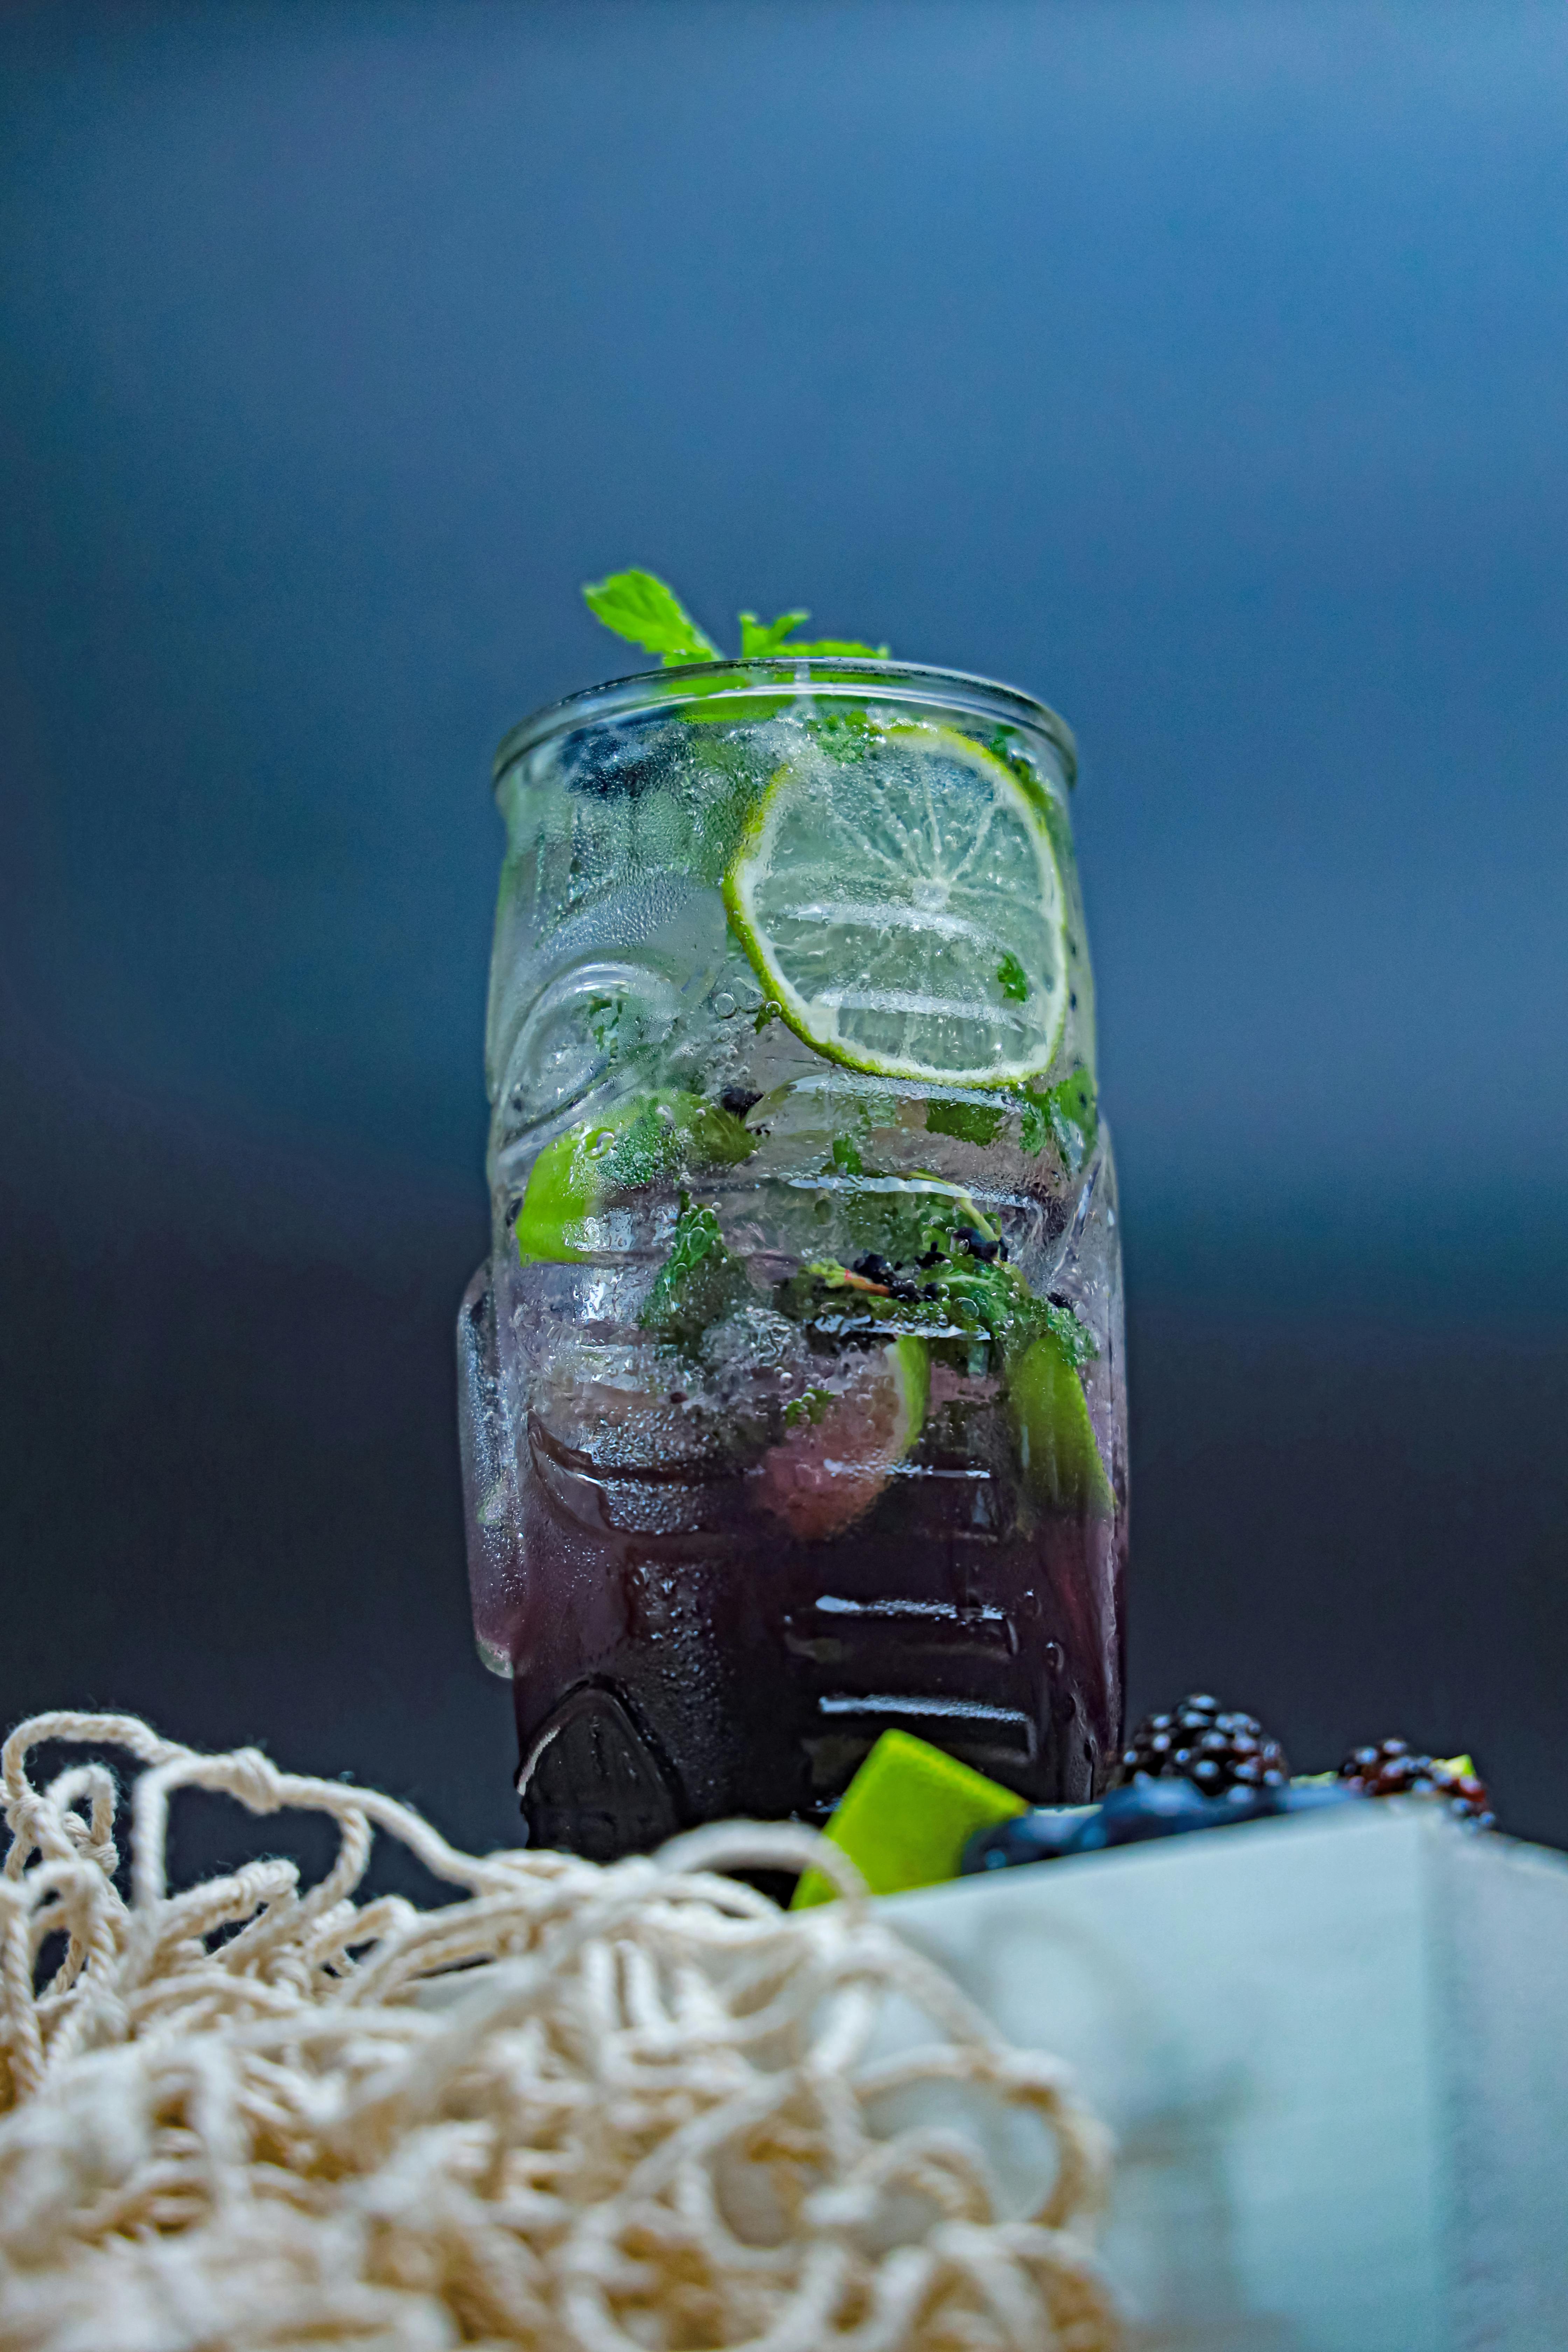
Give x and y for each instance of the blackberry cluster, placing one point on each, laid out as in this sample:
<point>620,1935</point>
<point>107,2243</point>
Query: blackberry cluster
<point>1213,1748</point>
<point>1390,1769</point>
<point>875,1267</point>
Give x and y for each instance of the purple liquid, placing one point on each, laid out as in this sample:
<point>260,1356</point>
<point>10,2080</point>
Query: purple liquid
<point>680,1653</point>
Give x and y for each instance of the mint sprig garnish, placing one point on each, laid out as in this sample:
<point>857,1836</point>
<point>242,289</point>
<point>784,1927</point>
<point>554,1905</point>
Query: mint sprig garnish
<point>760,638</point>
<point>638,606</point>
<point>644,611</point>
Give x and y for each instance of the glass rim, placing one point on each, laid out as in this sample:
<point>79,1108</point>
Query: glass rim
<point>957,691</point>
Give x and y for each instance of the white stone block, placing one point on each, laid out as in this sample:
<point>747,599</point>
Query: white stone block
<point>1334,2052</point>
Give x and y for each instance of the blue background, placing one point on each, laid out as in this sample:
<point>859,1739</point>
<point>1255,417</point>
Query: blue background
<point>1198,367</point>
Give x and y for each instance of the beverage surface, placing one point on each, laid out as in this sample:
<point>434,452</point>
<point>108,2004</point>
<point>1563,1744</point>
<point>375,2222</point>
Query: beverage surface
<point>793,1392</point>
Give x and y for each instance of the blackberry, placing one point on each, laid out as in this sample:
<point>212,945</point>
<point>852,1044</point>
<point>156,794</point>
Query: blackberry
<point>979,1244</point>
<point>1391,1769</point>
<point>1215,1748</point>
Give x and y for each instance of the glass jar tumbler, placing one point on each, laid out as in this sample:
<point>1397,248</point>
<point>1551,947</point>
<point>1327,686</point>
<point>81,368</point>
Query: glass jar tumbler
<point>792,1405</point>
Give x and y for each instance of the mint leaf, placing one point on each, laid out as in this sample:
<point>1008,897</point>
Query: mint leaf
<point>1035,1126</point>
<point>758,639</point>
<point>912,1228</point>
<point>1014,980</point>
<point>1066,1114</point>
<point>699,1282</point>
<point>835,645</point>
<point>1072,1336</point>
<point>845,735</point>
<point>977,1313</point>
<point>604,1014</point>
<point>650,1149</point>
<point>644,611</point>
<point>719,1139</point>
<point>810,1406</point>
<point>970,1122</point>
<point>668,1134</point>
<point>1074,1118</point>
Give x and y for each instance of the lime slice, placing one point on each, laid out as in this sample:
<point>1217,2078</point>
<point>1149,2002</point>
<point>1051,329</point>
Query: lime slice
<point>840,1453</point>
<point>906,912</point>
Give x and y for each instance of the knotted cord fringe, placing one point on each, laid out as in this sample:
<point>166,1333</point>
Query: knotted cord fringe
<point>575,2110</point>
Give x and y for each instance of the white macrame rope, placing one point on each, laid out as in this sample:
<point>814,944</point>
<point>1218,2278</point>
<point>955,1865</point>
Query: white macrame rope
<point>577,2109</point>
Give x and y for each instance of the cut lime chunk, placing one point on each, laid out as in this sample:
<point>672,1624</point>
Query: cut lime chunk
<point>906,1818</point>
<point>906,912</point>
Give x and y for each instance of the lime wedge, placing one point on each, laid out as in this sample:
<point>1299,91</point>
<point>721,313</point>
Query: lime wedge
<point>905,910</point>
<point>650,1138</point>
<point>562,1189</point>
<point>840,1453</point>
<point>1061,1464</point>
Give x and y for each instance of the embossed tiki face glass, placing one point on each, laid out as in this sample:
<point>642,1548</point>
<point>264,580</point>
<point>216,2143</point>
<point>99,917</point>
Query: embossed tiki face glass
<point>792,1405</point>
